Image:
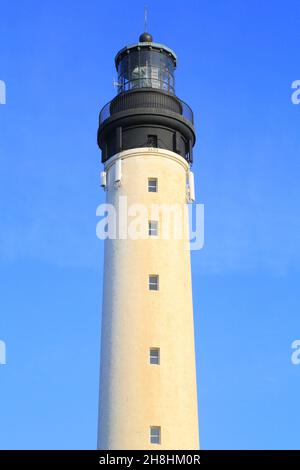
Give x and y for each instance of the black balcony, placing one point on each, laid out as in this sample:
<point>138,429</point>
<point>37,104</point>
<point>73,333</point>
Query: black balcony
<point>146,98</point>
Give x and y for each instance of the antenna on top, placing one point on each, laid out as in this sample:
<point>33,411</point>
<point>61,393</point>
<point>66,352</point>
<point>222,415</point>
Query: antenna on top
<point>145,18</point>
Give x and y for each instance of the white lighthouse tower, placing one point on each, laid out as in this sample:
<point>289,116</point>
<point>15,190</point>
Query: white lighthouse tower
<point>148,396</point>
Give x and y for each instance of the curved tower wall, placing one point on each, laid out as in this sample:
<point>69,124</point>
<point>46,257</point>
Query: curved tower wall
<point>134,394</point>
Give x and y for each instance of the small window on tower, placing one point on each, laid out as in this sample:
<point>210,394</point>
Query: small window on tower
<point>153,228</point>
<point>152,141</point>
<point>152,185</point>
<point>153,282</point>
<point>155,434</point>
<point>154,356</point>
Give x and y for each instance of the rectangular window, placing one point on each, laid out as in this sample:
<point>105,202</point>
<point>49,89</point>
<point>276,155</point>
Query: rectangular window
<point>153,228</point>
<point>152,185</point>
<point>152,141</point>
<point>153,282</point>
<point>155,356</point>
<point>155,434</point>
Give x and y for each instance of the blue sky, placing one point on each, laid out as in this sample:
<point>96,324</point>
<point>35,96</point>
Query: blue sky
<point>237,61</point>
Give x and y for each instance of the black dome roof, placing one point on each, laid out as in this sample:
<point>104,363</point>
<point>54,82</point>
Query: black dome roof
<point>146,37</point>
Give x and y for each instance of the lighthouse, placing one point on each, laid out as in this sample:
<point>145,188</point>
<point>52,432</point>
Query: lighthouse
<point>148,393</point>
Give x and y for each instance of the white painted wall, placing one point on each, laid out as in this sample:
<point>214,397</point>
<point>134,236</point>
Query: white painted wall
<point>135,395</point>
